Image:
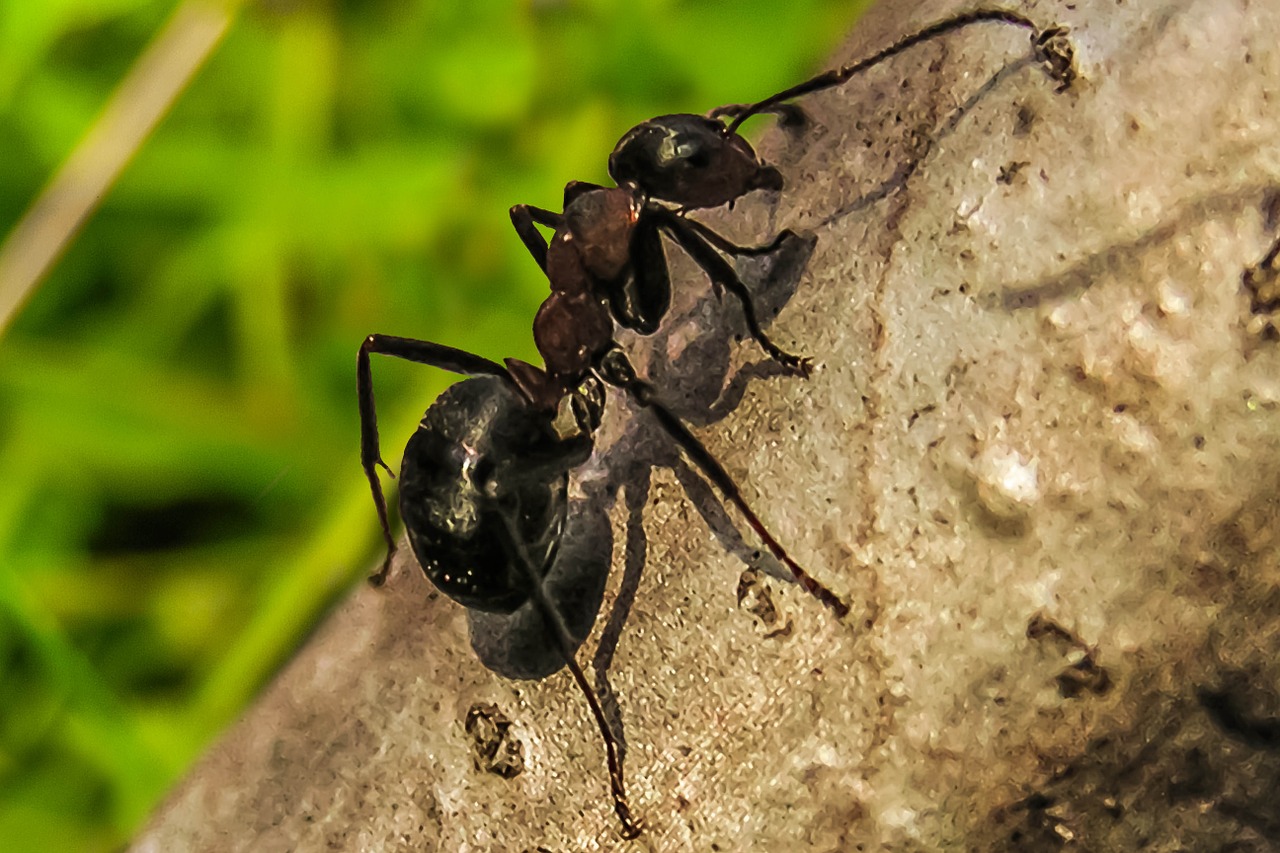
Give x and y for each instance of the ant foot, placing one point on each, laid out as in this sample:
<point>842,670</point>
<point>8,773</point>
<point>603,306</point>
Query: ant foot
<point>630,826</point>
<point>801,366</point>
<point>379,577</point>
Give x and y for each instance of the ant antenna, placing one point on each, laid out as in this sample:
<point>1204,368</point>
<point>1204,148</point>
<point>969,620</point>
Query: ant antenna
<point>1050,45</point>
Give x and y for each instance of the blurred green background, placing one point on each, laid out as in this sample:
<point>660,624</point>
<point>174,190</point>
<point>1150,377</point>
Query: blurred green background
<point>180,491</point>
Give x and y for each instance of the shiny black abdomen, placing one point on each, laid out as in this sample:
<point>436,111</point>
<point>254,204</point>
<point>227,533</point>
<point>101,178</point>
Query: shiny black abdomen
<point>467,463</point>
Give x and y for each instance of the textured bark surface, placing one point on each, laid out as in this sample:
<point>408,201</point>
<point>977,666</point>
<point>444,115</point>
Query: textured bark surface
<point>1039,459</point>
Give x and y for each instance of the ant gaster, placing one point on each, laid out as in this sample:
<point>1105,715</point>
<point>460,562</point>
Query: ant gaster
<point>484,481</point>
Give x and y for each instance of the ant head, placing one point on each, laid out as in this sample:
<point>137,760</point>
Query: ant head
<point>691,161</point>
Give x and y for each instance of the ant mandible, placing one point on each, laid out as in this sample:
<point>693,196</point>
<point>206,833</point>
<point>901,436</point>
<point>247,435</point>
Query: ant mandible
<point>484,481</point>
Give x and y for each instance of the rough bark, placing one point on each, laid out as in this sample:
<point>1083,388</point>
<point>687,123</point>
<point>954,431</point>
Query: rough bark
<point>1038,458</point>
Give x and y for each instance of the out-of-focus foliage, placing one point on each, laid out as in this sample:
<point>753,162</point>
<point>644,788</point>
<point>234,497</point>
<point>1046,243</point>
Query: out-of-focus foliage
<point>180,494</point>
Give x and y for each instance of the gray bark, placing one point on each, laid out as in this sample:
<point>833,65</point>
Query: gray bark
<point>1038,458</point>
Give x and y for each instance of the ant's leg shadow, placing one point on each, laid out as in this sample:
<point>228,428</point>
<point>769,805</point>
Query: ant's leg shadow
<point>720,523</point>
<point>635,552</point>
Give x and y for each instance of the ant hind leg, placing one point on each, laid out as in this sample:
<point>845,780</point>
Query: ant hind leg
<point>422,352</point>
<point>551,616</point>
<point>615,369</point>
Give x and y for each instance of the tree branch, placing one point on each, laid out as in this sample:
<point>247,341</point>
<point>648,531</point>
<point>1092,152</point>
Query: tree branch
<point>1038,457</point>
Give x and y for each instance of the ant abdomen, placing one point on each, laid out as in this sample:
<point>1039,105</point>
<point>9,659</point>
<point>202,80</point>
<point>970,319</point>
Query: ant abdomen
<point>458,466</point>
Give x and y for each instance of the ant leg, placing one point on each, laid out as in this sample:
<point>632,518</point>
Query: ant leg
<point>733,249</point>
<point>1050,45</point>
<point>422,352</point>
<point>721,273</point>
<point>524,217</point>
<point>615,369</point>
<point>551,615</point>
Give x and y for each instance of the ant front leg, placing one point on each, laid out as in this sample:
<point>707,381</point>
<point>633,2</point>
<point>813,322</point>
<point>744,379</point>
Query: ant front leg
<point>740,251</point>
<point>422,352</point>
<point>526,218</point>
<point>718,269</point>
<point>573,189</point>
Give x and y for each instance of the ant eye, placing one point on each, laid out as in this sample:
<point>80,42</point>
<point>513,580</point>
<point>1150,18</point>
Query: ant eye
<point>696,156</point>
<point>681,151</point>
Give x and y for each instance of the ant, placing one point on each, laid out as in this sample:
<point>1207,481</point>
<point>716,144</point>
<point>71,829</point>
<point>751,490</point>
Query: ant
<point>484,481</point>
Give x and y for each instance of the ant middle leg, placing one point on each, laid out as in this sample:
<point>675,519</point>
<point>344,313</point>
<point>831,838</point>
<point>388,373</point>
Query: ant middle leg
<point>615,369</point>
<point>421,352</point>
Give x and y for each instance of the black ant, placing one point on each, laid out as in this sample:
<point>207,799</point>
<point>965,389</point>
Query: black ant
<point>484,480</point>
